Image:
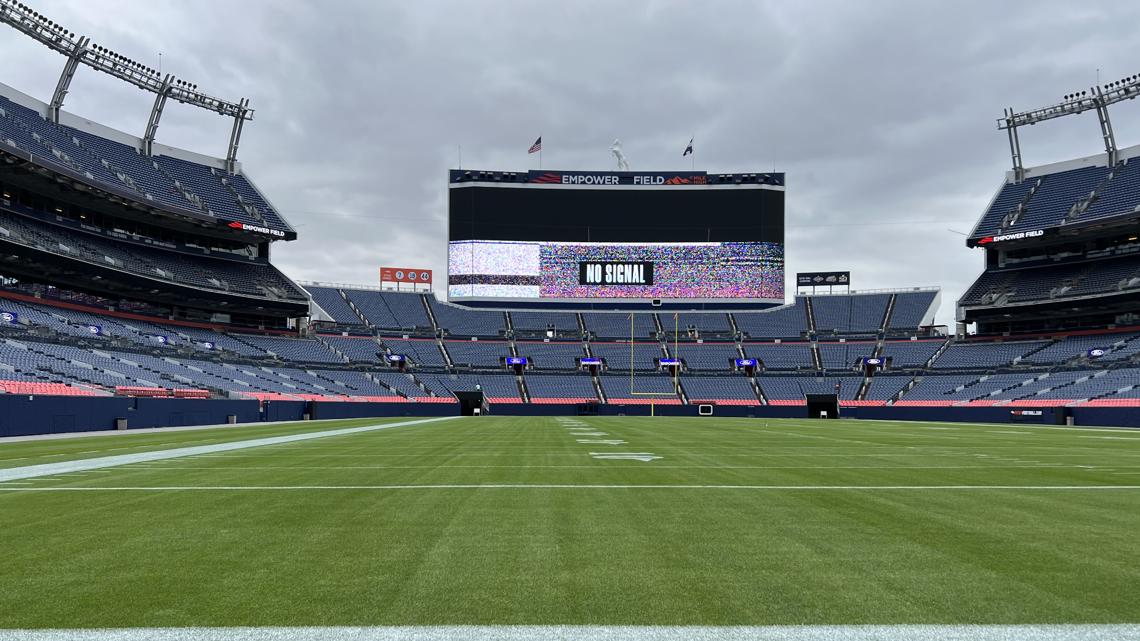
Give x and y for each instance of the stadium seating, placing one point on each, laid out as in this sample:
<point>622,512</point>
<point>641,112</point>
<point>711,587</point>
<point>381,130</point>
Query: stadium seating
<point>722,390</point>
<point>420,352</point>
<point>292,349</point>
<point>1105,276</point>
<point>46,389</point>
<point>52,345</point>
<point>841,356</point>
<point>618,325</point>
<point>617,355</point>
<point>334,304</point>
<point>391,310</point>
<point>949,390</point>
<point>163,179</point>
<point>551,388</point>
<point>781,356</point>
<point>910,353</point>
<point>782,390</point>
<point>357,349</point>
<point>859,313</point>
<point>884,388</point>
<point>714,357</point>
<point>552,355</point>
<point>1072,347</point>
<point>460,321</point>
<point>1047,200</point>
<point>1124,352</point>
<point>537,322</point>
<point>640,390</point>
<point>247,277</point>
<point>789,321</point>
<point>483,354</point>
<point>220,340</point>
<point>709,324</point>
<point>985,355</point>
<point>404,384</point>
<point>911,309</point>
<point>497,388</point>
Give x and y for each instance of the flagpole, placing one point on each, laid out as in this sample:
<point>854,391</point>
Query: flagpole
<point>694,154</point>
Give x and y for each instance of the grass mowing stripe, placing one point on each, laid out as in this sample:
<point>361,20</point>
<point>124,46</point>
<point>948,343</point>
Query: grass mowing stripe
<point>21,450</point>
<point>564,486</point>
<point>1122,632</point>
<point>519,554</point>
<point>47,469</point>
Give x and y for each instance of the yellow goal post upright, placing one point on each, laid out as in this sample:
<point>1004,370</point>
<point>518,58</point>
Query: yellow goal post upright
<point>676,393</point>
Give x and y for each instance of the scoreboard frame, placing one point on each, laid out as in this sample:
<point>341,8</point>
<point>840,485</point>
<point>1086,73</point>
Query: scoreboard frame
<point>766,221</point>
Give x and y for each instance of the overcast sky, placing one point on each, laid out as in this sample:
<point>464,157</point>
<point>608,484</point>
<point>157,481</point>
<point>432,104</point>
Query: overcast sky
<point>882,114</point>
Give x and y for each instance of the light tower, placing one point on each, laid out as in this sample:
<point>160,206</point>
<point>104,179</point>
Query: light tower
<point>80,49</point>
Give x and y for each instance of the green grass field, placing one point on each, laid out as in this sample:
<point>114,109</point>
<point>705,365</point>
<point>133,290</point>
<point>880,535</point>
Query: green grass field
<point>500,520</point>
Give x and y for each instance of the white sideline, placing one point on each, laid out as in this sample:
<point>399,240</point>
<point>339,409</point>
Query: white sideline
<point>64,467</point>
<point>555,486</point>
<point>1060,632</point>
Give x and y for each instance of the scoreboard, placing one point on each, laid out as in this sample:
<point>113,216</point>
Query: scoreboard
<point>598,236</point>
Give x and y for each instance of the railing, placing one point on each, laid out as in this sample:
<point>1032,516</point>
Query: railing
<point>351,286</point>
<point>903,290</point>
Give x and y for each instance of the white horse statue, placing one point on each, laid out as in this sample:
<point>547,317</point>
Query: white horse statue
<point>615,149</point>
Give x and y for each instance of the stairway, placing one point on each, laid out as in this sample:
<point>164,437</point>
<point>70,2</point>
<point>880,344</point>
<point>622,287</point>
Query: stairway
<point>332,349</point>
<point>756,390</point>
<point>886,324</point>
<point>599,391</point>
<point>681,393</point>
<point>355,310</point>
<point>443,350</point>
<point>431,315</point>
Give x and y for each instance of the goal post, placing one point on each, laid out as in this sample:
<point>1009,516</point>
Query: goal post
<point>652,396</point>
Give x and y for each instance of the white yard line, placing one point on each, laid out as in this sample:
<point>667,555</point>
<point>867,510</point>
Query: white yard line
<point>1065,632</point>
<point>558,486</point>
<point>226,468</point>
<point>48,469</point>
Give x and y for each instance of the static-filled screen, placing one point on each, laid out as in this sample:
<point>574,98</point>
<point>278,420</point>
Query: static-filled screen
<point>505,269</point>
<point>537,242</point>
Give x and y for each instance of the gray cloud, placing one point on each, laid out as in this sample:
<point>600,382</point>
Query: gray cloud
<point>882,114</point>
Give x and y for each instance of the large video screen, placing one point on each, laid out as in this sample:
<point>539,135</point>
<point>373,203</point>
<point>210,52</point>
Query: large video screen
<point>542,242</point>
<point>558,270</point>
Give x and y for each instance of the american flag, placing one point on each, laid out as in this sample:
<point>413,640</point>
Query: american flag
<point>537,146</point>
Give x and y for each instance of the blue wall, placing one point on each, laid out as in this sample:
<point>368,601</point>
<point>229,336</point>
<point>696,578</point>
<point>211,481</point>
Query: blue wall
<point>24,415</point>
<point>283,410</point>
<point>368,410</point>
<point>1112,416</point>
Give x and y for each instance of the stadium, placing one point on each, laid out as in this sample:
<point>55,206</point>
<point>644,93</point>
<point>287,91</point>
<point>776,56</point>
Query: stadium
<point>610,421</point>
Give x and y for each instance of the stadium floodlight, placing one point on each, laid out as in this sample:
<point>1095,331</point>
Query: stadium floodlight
<point>79,49</point>
<point>1094,99</point>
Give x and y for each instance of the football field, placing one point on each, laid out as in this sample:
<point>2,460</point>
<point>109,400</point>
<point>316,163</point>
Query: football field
<point>505,521</point>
